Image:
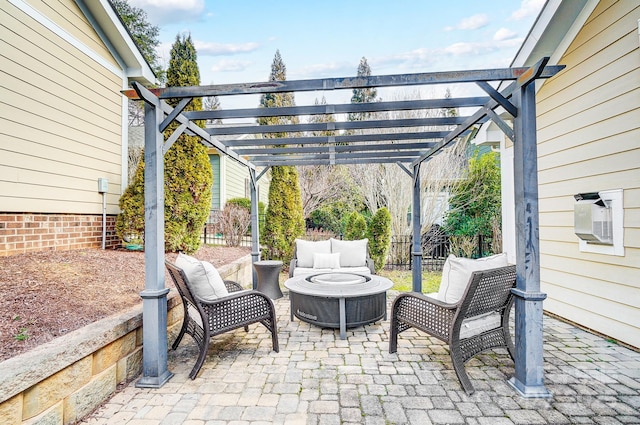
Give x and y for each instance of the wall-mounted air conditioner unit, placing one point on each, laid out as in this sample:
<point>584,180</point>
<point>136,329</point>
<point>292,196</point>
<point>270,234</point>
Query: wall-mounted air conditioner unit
<point>593,219</point>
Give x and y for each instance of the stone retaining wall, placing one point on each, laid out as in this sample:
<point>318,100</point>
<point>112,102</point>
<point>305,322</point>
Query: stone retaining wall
<point>65,379</point>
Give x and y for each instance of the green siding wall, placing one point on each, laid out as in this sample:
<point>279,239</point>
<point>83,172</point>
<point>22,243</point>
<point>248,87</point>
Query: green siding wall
<point>215,190</point>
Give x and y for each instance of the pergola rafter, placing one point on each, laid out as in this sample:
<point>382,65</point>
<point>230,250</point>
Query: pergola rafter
<point>408,142</point>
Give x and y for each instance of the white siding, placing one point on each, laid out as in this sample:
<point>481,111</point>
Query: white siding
<point>60,113</point>
<point>589,141</point>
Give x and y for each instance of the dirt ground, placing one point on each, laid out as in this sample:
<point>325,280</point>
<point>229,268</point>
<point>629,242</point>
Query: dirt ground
<point>47,294</point>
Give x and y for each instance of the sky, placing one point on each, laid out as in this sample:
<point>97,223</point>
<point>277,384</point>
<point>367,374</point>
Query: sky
<point>236,40</point>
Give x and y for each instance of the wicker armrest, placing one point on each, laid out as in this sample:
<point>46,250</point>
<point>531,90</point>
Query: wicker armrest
<point>292,266</point>
<point>371,265</point>
<point>233,286</point>
<point>242,293</point>
<point>237,310</point>
<point>425,313</point>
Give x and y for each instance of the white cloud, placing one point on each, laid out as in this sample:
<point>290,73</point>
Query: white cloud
<point>471,23</point>
<point>226,65</point>
<point>164,11</point>
<point>219,49</point>
<point>527,8</point>
<point>323,70</point>
<point>467,48</point>
<point>504,34</point>
<point>415,59</point>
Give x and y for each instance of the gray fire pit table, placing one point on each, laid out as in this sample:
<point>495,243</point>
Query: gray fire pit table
<point>338,300</point>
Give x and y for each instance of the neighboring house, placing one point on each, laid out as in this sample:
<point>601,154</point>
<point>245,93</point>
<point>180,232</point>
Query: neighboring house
<point>62,68</point>
<point>588,120</point>
<point>230,178</point>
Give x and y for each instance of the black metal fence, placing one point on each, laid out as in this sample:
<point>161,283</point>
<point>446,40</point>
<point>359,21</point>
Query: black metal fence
<point>435,250</point>
<point>211,233</point>
<point>435,245</point>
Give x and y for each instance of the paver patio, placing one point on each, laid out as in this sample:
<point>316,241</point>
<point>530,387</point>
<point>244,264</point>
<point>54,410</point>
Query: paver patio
<point>317,378</point>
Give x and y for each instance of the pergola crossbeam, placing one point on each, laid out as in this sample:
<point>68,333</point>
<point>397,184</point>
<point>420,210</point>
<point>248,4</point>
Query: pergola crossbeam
<point>341,161</point>
<point>347,83</point>
<point>336,148</point>
<point>332,126</point>
<point>353,138</point>
<point>402,105</point>
<point>331,154</point>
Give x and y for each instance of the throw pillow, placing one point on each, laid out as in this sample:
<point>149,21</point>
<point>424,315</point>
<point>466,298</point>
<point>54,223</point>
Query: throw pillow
<point>444,280</point>
<point>352,253</point>
<point>219,288</point>
<point>204,280</point>
<point>306,249</point>
<point>457,272</point>
<point>326,261</point>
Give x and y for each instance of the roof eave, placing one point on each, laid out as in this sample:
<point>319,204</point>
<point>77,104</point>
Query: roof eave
<point>554,28</point>
<point>118,41</point>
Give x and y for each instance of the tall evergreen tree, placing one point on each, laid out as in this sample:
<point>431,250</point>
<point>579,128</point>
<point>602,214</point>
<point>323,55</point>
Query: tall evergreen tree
<point>144,34</point>
<point>146,37</point>
<point>363,95</point>
<point>379,234</point>
<point>187,170</point>
<point>284,220</point>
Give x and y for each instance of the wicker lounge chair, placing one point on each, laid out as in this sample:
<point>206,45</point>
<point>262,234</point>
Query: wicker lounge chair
<point>239,309</point>
<point>486,302</point>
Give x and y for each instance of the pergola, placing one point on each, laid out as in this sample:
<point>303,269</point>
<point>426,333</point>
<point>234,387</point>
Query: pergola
<point>401,144</point>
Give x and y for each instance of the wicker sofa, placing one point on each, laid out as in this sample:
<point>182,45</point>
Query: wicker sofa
<point>331,256</point>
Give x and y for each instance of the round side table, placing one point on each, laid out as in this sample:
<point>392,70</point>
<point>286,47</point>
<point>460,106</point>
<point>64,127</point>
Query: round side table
<point>268,272</point>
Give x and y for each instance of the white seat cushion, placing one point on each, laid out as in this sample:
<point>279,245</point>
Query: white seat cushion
<point>476,325</point>
<point>204,279</point>
<point>352,253</point>
<point>306,249</point>
<point>457,272</point>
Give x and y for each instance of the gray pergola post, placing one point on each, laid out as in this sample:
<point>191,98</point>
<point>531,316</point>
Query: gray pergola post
<point>529,362</point>
<point>416,249</point>
<point>255,220</point>
<point>154,295</point>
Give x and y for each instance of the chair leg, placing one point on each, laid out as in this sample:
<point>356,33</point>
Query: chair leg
<point>393,335</point>
<point>274,335</point>
<point>458,366</point>
<point>204,348</point>
<point>183,330</point>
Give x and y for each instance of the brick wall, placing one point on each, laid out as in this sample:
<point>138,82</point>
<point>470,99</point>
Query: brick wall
<point>28,232</point>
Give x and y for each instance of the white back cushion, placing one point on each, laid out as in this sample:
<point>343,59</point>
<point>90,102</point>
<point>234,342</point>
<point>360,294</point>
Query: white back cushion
<point>204,279</point>
<point>352,253</point>
<point>219,289</point>
<point>457,272</point>
<point>306,249</point>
